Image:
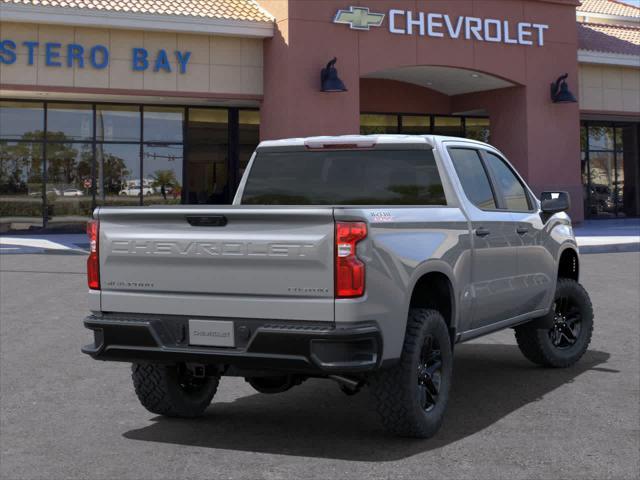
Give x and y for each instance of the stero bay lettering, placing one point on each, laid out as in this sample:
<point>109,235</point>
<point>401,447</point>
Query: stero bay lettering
<point>97,56</point>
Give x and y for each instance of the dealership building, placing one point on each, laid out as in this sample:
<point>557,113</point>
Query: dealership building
<point>135,102</point>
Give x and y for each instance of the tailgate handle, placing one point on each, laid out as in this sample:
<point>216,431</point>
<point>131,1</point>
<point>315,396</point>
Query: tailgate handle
<point>208,221</point>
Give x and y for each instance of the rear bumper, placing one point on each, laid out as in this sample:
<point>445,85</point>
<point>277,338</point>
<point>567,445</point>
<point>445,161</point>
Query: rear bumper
<point>295,347</point>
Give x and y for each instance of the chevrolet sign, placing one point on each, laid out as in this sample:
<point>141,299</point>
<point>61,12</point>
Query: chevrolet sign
<point>441,25</point>
<point>359,18</point>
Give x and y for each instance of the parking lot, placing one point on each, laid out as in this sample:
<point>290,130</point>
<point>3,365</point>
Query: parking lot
<point>64,415</point>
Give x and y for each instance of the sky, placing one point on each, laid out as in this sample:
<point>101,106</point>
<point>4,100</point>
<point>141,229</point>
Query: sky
<point>635,3</point>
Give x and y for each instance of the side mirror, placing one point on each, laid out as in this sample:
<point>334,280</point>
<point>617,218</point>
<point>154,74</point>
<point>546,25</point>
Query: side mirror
<point>555,202</point>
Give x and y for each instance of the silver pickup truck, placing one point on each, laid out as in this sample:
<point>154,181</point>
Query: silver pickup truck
<point>361,259</point>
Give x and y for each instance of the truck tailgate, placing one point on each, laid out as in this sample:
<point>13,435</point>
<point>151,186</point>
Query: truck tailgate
<point>237,262</point>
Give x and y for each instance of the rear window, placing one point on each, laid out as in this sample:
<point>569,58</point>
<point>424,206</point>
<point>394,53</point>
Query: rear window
<point>345,177</point>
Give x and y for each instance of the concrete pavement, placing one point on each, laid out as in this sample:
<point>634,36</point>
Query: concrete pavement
<point>63,415</point>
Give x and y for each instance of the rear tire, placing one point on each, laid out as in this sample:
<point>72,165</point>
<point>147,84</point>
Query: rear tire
<point>571,317</point>
<point>171,390</point>
<point>412,396</point>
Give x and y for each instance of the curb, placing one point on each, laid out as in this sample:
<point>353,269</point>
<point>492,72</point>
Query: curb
<point>615,248</point>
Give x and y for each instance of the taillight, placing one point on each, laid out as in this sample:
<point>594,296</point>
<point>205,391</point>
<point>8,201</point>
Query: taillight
<point>349,269</point>
<point>93,264</point>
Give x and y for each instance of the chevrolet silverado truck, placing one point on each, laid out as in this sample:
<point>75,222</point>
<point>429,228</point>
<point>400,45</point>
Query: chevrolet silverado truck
<point>360,259</point>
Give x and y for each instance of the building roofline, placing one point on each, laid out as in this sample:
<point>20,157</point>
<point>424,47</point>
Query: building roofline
<point>135,21</point>
<point>608,58</point>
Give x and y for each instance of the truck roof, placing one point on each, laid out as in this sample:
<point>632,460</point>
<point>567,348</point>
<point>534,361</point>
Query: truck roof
<point>361,140</point>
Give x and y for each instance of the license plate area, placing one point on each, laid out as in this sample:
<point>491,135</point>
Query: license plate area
<point>211,333</point>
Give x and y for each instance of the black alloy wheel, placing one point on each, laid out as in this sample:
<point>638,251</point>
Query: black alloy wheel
<point>429,373</point>
<point>567,323</point>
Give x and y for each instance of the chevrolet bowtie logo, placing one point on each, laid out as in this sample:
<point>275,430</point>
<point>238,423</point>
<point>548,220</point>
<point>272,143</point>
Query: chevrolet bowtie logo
<point>359,18</point>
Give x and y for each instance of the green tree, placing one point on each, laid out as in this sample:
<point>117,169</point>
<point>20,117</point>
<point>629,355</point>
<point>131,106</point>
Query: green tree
<point>163,179</point>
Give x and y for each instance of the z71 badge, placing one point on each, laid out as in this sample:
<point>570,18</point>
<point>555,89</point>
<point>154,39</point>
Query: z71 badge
<point>380,217</point>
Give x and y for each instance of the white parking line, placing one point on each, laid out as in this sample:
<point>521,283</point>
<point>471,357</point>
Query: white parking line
<point>32,242</point>
<point>620,240</point>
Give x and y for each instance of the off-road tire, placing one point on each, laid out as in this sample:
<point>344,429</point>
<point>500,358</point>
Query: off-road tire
<point>535,343</point>
<point>161,391</point>
<point>394,389</point>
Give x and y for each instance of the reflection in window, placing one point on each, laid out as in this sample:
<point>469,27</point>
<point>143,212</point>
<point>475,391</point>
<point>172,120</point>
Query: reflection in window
<point>610,176</point>
<point>118,174</point>
<point>163,124</point>
<point>378,124</point>
<point>21,185</point>
<point>601,138</point>
<point>328,178</point>
<point>118,123</point>
<point>162,168</point>
<point>207,156</point>
<point>249,137</point>
<point>69,182</point>
<point>602,184</point>
<point>478,129</point>
<point>416,124</point>
<point>67,121</point>
<point>473,177</point>
<point>450,126</point>
<point>21,120</point>
<point>510,187</point>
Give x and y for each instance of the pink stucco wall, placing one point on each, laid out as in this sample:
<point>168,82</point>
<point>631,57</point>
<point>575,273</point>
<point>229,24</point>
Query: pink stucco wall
<point>540,137</point>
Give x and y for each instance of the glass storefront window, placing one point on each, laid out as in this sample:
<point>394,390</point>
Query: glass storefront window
<point>248,137</point>
<point>162,174</point>
<point>477,129</point>
<point>602,184</point>
<point>163,124</point>
<point>21,185</point>
<point>601,138</point>
<point>109,154</point>
<point>371,124</point>
<point>416,124</point>
<point>21,120</point>
<point>118,123</point>
<point>207,156</point>
<point>450,126</point>
<point>67,122</point>
<point>611,169</point>
<point>118,174</point>
<point>69,198</point>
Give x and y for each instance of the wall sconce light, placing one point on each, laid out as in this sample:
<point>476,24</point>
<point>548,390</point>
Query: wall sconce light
<point>560,92</point>
<point>329,80</point>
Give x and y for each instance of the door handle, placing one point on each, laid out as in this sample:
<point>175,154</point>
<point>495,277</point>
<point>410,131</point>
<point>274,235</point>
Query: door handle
<point>482,232</point>
<point>522,230</point>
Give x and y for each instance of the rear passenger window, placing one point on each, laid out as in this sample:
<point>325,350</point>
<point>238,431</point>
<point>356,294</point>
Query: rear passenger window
<point>473,177</point>
<point>515,197</point>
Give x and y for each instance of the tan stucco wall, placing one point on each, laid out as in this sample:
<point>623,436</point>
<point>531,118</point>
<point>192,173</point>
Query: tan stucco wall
<point>609,88</point>
<point>220,65</point>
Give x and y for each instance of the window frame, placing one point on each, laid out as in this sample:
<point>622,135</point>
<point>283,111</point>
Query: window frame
<point>486,172</point>
<point>232,149</point>
<point>502,202</point>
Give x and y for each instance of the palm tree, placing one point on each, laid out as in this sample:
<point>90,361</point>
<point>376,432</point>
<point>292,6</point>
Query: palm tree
<point>164,179</point>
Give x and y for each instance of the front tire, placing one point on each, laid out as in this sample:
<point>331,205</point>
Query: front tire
<point>571,320</point>
<point>171,390</point>
<point>412,396</point>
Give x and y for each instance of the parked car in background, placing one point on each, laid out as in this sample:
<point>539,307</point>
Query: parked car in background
<point>133,189</point>
<point>50,191</point>
<point>72,192</point>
